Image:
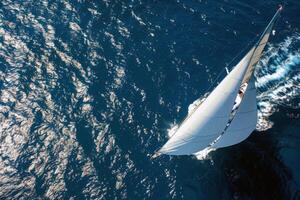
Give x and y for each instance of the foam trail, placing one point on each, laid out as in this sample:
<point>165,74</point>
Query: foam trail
<point>277,80</point>
<point>203,154</point>
<point>277,83</point>
<point>276,77</point>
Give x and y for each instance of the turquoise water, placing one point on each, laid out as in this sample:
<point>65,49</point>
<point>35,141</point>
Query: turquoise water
<point>89,90</point>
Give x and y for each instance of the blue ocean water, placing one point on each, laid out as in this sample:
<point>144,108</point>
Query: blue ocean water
<point>89,90</point>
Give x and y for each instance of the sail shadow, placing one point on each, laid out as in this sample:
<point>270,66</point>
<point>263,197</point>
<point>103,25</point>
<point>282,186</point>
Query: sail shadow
<point>257,167</point>
<point>253,169</point>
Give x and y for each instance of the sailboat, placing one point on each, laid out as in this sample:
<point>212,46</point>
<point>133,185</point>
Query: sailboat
<point>228,115</point>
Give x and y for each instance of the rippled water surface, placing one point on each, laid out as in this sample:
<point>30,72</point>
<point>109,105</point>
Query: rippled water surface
<point>89,90</point>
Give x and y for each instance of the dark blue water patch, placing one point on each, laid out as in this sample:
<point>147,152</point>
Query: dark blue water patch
<point>74,183</point>
<point>259,158</point>
<point>85,137</point>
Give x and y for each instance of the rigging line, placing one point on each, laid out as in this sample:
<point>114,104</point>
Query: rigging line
<point>231,61</point>
<point>256,45</point>
<point>233,115</point>
<point>274,20</point>
<point>224,69</point>
<point>270,25</point>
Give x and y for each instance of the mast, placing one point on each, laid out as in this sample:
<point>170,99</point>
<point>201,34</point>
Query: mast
<point>260,45</point>
<point>237,122</point>
<point>271,23</point>
<point>209,122</point>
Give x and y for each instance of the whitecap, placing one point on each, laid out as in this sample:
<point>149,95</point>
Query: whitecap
<point>277,76</point>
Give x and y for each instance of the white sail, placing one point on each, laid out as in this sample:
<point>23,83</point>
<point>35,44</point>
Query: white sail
<point>206,123</point>
<point>244,121</point>
<point>207,126</point>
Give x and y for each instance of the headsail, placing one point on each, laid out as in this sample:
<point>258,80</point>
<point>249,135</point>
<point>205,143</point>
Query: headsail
<point>208,124</point>
<point>244,121</point>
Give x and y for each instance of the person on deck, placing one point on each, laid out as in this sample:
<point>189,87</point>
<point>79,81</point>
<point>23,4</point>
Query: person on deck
<point>239,97</point>
<point>237,100</point>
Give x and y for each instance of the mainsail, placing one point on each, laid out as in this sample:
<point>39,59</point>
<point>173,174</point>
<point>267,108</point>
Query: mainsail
<point>206,123</point>
<point>244,121</point>
<point>213,123</point>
